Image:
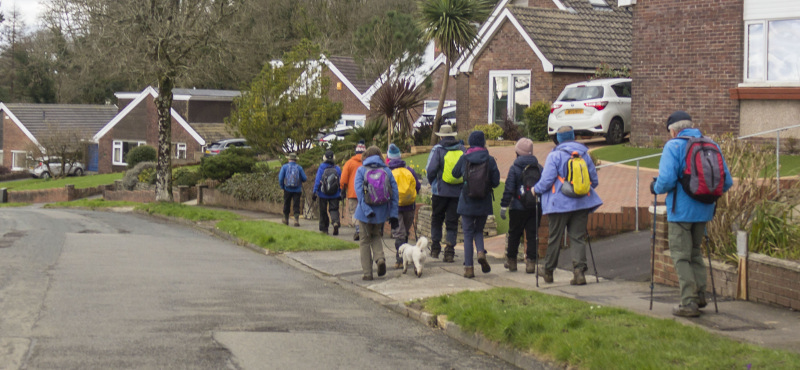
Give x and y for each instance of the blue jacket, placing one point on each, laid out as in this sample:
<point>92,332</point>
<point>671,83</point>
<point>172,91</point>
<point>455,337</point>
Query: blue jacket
<point>379,214</point>
<point>435,167</point>
<point>476,206</point>
<point>282,174</point>
<point>318,178</point>
<point>549,186</point>
<point>672,164</point>
<point>514,181</point>
<point>397,163</point>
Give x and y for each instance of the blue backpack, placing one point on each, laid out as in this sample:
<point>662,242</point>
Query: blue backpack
<point>292,179</point>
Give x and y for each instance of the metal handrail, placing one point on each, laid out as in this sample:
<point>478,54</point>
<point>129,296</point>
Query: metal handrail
<point>637,160</point>
<point>777,132</point>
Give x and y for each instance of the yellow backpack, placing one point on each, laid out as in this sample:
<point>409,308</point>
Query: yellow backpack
<point>577,184</point>
<point>450,160</point>
<point>406,186</point>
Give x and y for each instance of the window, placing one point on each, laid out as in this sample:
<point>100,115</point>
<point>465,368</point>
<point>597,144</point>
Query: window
<point>623,89</point>
<point>180,151</point>
<point>509,95</point>
<point>351,120</point>
<point>19,160</point>
<point>431,105</point>
<point>121,148</point>
<point>771,52</point>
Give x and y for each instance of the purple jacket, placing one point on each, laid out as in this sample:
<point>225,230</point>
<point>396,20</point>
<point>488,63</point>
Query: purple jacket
<point>549,186</point>
<point>397,163</point>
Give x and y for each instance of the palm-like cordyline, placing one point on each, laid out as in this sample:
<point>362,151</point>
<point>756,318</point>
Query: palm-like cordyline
<point>451,23</point>
<point>395,101</point>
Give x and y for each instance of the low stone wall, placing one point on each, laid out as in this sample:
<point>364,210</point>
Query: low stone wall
<point>65,194</point>
<point>213,197</point>
<point>769,280</point>
<point>15,176</point>
<point>147,193</point>
<point>424,224</point>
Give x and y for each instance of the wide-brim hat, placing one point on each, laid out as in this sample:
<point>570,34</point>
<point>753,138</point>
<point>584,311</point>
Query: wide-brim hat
<point>446,130</point>
<point>292,156</point>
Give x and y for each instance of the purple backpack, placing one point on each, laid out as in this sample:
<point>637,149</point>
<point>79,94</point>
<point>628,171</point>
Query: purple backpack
<point>377,188</point>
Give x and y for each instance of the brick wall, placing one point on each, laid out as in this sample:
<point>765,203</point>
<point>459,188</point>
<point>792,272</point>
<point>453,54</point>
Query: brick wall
<point>139,196</point>
<point>65,194</point>
<point>13,140</point>
<point>350,103</point>
<point>686,55</point>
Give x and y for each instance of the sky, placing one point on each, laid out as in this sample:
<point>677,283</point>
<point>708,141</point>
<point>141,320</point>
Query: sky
<point>28,9</point>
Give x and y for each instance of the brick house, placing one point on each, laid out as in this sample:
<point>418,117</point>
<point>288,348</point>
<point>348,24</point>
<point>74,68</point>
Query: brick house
<point>734,65</point>
<point>348,87</point>
<point>529,50</point>
<point>197,120</point>
<point>23,123</point>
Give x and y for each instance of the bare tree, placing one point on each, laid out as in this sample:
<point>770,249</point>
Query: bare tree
<point>62,145</point>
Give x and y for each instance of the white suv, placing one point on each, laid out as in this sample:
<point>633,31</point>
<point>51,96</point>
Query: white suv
<point>597,107</point>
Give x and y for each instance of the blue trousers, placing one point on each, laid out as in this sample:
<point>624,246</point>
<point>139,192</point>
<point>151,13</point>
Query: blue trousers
<point>473,232</point>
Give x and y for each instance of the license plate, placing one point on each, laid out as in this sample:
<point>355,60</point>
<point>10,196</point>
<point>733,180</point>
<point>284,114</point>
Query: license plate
<point>573,111</point>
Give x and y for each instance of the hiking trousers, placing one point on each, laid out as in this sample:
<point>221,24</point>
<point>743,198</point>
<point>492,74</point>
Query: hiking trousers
<point>473,233</point>
<point>445,210</point>
<point>405,221</point>
<point>370,245</point>
<point>288,198</point>
<point>575,223</point>
<point>685,248</point>
<point>325,206</point>
<point>523,221</point>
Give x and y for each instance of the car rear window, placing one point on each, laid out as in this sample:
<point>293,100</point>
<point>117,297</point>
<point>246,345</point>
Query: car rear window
<point>213,146</point>
<point>581,93</point>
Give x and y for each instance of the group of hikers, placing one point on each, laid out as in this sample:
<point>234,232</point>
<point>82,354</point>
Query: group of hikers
<point>692,173</point>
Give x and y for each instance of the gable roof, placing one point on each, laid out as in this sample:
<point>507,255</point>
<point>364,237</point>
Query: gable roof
<point>152,93</point>
<point>35,119</point>
<point>347,67</point>
<point>190,94</point>
<point>579,37</point>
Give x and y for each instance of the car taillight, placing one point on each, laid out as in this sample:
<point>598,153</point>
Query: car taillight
<point>554,107</point>
<point>40,164</point>
<point>599,105</point>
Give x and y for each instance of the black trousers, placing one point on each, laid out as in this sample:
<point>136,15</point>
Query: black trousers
<point>445,210</point>
<point>325,206</point>
<point>288,198</point>
<point>524,221</point>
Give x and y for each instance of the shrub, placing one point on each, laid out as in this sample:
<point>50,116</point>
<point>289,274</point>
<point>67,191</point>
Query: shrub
<point>185,177</point>
<point>139,154</point>
<point>491,131</point>
<point>253,186</point>
<point>147,176</point>
<point>422,136</point>
<point>4,170</point>
<point>511,130</point>
<point>261,167</point>
<point>222,167</point>
<point>131,177</point>
<point>535,118</point>
<point>244,152</point>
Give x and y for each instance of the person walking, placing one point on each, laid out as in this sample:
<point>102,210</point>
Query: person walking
<point>291,179</point>
<point>565,208</point>
<point>376,190</point>
<point>408,186</point>
<point>686,216</point>
<point>347,184</point>
<point>480,173</point>
<point>526,212</point>
<point>445,191</point>
<point>326,187</point>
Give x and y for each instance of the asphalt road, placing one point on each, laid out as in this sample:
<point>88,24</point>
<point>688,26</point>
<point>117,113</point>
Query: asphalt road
<point>622,257</point>
<point>96,290</point>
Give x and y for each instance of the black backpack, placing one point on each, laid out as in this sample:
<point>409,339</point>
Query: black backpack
<point>477,177</point>
<point>530,176</point>
<point>329,184</point>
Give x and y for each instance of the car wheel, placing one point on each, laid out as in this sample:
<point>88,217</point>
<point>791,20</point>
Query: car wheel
<point>78,172</point>
<point>555,139</point>
<point>615,132</point>
<point>45,175</point>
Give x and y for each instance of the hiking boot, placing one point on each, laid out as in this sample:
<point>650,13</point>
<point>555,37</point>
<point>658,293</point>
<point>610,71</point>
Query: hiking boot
<point>578,277</point>
<point>285,220</point>
<point>336,228</point>
<point>690,310</point>
<point>381,267</point>
<point>511,264</point>
<point>548,276</point>
<point>530,266</point>
<point>297,221</point>
<point>435,249</point>
<point>485,268</point>
<point>367,277</point>
<point>469,272</point>
<point>355,237</point>
<point>449,253</point>
<point>701,300</point>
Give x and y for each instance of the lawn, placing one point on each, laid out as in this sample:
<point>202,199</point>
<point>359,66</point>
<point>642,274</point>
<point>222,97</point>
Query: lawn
<point>92,204</point>
<point>583,335</point>
<point>80,182</point>
<point>281,238</point>
<point>191,213</point>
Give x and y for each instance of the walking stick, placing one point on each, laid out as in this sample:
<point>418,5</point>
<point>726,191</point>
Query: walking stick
<point>653,251</point>
<point>588,241</point>
<point>711,272</point>
<point>536,258</point>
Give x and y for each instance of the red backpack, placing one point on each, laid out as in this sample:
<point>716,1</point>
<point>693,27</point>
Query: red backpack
<point>703,177</point>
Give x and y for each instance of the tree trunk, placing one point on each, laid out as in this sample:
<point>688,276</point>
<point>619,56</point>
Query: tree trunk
<point>437,121</point>
<point>164,164</point>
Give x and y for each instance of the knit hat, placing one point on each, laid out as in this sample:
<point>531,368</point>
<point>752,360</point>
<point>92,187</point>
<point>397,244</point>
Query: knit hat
<point>476,138</point>
<point>678,116</point>
<point>524,146</point>
<point>360,147</point>
<point>565,133</point>
<point>394,152</point>
<point>328,157</point>
<point>292,156</point>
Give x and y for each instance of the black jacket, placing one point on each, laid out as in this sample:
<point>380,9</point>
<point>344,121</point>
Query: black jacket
<point>476,206</point>
<point>514,181</point>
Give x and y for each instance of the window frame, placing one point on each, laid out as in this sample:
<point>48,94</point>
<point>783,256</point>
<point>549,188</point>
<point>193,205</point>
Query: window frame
<point>509,74</point>
<point>14,166</point>
<point>120,144</point>
<point>763,80</point>
<point>435,103</point>
<point>180,147</point>
<point>359,120</point>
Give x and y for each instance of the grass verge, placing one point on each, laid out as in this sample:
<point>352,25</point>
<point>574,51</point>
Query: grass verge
<point>502,225</point>
<point>282,238</point>
<point>191,213</point>
<point>92,204</point>
<point>80,182</point>
<point>8,205</point>
<point>621,152</point>
<point>583,335</point>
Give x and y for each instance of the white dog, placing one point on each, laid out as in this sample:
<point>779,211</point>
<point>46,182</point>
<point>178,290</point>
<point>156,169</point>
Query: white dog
<point>416,253</point>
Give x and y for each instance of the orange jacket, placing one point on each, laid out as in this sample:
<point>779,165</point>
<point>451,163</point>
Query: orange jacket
<point>348,179</point>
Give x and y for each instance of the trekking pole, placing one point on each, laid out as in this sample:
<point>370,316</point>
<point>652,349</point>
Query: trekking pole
<point>653,251</point>
<point>711,272</point>
<point>536,235</point>
<point>589,241</point>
